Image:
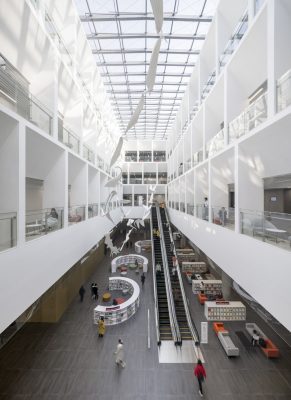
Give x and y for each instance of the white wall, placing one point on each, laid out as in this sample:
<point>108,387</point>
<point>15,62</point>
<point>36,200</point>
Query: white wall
<point>29,270</point>
<point>262,269</point>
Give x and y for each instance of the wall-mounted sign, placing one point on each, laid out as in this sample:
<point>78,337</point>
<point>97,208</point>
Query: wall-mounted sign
<point>204,332</point>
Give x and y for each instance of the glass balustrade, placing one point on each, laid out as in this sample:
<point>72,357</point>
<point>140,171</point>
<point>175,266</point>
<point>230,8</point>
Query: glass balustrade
<point>162,178</point>
<point>44,221</point>
<point>223,216</point>
<point>88,154</point>
<point>270,227</point>
<point>216,144</point>
<point>76,214</point>
<point>258,5</point>
<point>93,210</point>
<point>182,206</point>
<point>254,115</point>
<point>190,209</point>
<point>284,91</point>
<point>8,230</point>
<point>69,139</point>
<point>177,205</point>
<point>197,157</point>
<point>202,212</point>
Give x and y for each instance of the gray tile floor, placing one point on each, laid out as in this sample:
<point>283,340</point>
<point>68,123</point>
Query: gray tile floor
<point>67,360</point>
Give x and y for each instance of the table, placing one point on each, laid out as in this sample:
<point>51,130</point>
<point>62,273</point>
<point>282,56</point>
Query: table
<point>35,229</point>
<point>276,232</point>
<point>106,296</point>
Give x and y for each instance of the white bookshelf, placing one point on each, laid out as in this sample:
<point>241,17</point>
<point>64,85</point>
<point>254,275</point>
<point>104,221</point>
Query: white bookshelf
<point>213,287</point>
<point>194,267</point>
<point>122,312</point>
<point>224,311</point>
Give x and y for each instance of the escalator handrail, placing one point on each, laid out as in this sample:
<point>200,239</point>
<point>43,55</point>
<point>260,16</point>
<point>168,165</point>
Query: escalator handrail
<point>171,306</point>
<point>157,316</point>
<point>191,324</point>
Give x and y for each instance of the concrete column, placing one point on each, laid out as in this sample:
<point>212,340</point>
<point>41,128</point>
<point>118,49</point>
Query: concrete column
<point>226,285</point>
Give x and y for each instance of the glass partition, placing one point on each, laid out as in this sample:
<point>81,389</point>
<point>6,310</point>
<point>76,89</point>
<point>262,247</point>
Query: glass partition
<point>145,156</point>
<point>190,209</point>
<point>284,91</point>
<point>271,227</point>
<point>159,156</point>
<point>88,154</point>
<point>135,178</point>
<point>251,117</point>
<point>202,211</point>
<point>223,216</point>
<point>44,221</point>
<point>76,214</point>
<point>150,178</point>
<point>131,156</point>
<point>216,144</point>
<point>124,178</point>
<point>8,230</point>
<point>93,210</point>
<point>162,178</point>
<point>127,199</point>
<point>69,139</point>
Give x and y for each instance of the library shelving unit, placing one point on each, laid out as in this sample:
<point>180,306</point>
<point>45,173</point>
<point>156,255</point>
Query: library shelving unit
<point>224,311</point>
<point>116,314</point>
<point>212,287</point>
<point>129,259</point>
<point>196,267</point>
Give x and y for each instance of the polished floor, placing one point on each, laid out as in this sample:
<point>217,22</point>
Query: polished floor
<point>67,360</point>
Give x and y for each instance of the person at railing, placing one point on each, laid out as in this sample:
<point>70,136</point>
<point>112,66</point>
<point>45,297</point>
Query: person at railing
<point>205,209</point>
<point>222,213</point>
<point>52,219</point>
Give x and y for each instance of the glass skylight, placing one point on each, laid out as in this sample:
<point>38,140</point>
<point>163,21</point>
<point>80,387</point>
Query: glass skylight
<point>122,35</point>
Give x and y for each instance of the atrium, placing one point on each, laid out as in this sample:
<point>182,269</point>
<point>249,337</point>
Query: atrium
<point>145,208</point>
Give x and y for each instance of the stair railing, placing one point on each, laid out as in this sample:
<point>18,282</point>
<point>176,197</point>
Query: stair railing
<point>171,306</point>
<point>157,317</point>
<point>191,324</point>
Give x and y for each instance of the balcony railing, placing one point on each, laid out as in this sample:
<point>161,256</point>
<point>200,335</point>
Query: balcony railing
<point>284,91</point>
<point>76,214</point>
<point>224,216</point>
<point>44,221</point>
<point>14,93</point>
<point>197,157</point>
<point>190,209</point>
<point>216,144</point>
<point>202,211</point>
<point>70,140</point>
<point>255,114</point>
<point>182,206</point>
<point>88,154</point>
<point>271,227</point>
<point>93,210</point>
<point>8,230</point>
<point>149,180</point>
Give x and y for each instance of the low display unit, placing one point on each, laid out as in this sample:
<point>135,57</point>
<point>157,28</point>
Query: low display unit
<point>224,311</point>
<point>116,314</point>
<point>213,287</point>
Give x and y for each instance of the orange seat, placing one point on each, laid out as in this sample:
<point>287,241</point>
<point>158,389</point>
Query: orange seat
<point>271,351</point>
<point>202,298</point>
<point>218,327</point>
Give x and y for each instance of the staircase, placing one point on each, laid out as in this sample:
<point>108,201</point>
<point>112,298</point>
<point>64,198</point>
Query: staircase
<point>164,319</point>
<point>178,300</point>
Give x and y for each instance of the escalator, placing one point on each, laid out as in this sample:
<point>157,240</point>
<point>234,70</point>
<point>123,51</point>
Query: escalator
<point>162,303</point>
<point>177,293</point>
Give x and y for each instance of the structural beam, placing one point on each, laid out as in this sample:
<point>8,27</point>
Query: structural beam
<point>121,74</point>
<point>143,51</point>
<point>117,36</point>
<point>131,16</point>
<point>142,83</point>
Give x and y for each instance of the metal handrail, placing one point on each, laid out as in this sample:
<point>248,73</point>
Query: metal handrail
<point>191,324</point>
<point>157,317</point>
<point>171,306</point>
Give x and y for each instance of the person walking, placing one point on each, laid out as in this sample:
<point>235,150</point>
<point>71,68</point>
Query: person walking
<point>101,327</point>
<point>81,293</point>
<point>200,373</point>
<point>142,278</point>
<point>95,291</point>
<point>119,353</point>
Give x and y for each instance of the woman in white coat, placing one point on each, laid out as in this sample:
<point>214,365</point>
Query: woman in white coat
<point>119,359</point>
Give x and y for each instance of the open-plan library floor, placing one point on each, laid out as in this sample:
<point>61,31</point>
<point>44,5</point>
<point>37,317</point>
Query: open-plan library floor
<point>68,360</point>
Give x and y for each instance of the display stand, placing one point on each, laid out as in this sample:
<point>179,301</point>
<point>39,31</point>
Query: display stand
<point>142,245</point>
<point>129,259</point>
<point>224,311</point>
<point>116,314</point>
<point>208,287</point>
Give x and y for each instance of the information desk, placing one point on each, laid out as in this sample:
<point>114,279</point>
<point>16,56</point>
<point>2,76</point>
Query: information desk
<point>142,245</point>
<point>129,259</point>
<point>119,313</point>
